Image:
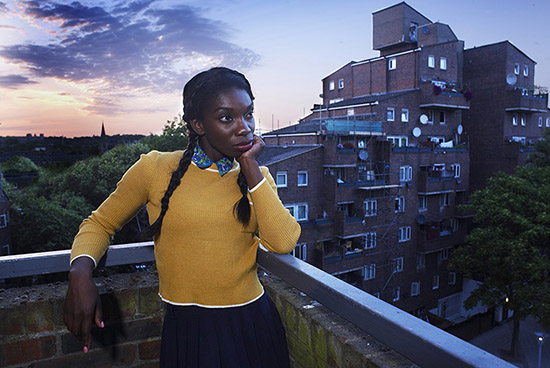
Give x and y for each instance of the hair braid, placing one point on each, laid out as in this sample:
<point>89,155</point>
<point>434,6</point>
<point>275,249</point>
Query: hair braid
<point>175,181</point>
<point>242,208</point>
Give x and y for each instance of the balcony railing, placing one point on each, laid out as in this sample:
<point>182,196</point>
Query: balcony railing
<point>351,126</point>
<point>415,339</point>
<point>439,183</point>
<point>430,97</point>
<point>436,240</point>
<point>516,100</point>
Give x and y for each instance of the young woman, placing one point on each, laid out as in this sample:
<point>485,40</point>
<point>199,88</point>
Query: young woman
<point>210,206</point>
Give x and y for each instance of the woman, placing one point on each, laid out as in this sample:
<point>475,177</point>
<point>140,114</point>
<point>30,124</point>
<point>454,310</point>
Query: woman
<point>209,207</point>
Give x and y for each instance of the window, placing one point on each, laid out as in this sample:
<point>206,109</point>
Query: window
<point>435,282</point>
<point>431,61</point>
<point>548,122</point>
<point>281,179</point>
<point>335,100</point>
<point>400,204</point>
<point>370,240</point>
<point>302,178</point>
<point>299,210</point>
<point>395,294</point>
<point>390,114</point>
<point>523,119</point>
<point>444,254</point>
<point>404,234</point>
<point>405,173</point>
<point>351,112</point>
<point>398,141</point>
<point>404,115</point>
<point>430,116</point>
<point>526,70</point>
<point>444,199</point>
<point>415,288</point>
<point>516,69</point>
<point>540,121</point>
<point>3,221</point>
<point>331,85</point>
<point>340,83</point>
<point>420,261</point>
<point>454,225</point>
<point>422,203</point>
<point>392,63</point>
<point>452,278</point>
<point>443,63</point>
<point>442,117</point>
<point>398,263</point>
<point>456,170</point>
<point>514,119</point>
<point>370,207</point>
<point>300,251</point>
<point>369,272</point>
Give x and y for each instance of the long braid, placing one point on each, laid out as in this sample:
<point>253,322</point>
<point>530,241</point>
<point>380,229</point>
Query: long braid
<point>242,208</point>
<point>175,181</point>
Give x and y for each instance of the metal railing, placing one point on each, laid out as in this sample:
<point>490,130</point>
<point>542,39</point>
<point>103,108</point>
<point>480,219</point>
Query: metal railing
<point>422,343</point>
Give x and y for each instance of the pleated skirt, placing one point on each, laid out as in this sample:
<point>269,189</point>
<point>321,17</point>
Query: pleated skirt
<point>249,336</point>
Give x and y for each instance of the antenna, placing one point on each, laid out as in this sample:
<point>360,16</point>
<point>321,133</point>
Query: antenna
<point>363,155</point>
<point>417,132</point>
<point>459,129</point>
<point>423,119</point>
<point>511,79</point>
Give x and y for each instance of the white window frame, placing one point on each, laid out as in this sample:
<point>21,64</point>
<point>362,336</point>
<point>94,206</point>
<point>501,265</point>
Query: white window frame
<point>454,224</point>
<point>523,119</point>
<point>420,261</point>
<point>444,199</point>
<point>405,115</point>
<point>371,207</point>
<point>298,178</point>
<point>331,85</point>
<point>370,240</point>
<point>422,203</point>
<point>444,115</point>
<point>369,271</point>
<point>540,121</point>
<point>300,251</point>
<point>516,68</point>
<point>405,173</point>
<point>415,288</point>
<point>392,63</point>
<point>514,120</point>
<point>548,122</point>
<point>398,140</point>
<point>443,63</point>
<point>456,169</point>
<point>435,282</point>
<point>525,70</point>
<point>431,61</point>
<point>351,112</point>
<point>340,83</point>
<point>400,204</point>
<point>295,210</point>
<point>395,293</point>
<point>3,221</point>
<point>444,254</point>
<point>404,234</point>
<point>398,264</point>
<point>452,278</point>
<point>281,174</point>
<point>390,114</point>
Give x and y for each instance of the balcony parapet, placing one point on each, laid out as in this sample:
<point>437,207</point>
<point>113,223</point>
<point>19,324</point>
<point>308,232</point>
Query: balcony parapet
<point>438,240</point>
<point>422,343</point>
<point>433,96</point>
<point>439,184</point>
<point>517,101</point>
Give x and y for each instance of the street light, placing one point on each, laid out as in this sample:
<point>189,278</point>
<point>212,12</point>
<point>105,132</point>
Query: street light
<point>541,336</point>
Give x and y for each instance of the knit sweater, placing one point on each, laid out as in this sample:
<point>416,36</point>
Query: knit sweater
<point>204,255</point>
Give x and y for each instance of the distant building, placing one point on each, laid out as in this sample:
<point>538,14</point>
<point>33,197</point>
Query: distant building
<point>375,173</point>
<point>4,221</point>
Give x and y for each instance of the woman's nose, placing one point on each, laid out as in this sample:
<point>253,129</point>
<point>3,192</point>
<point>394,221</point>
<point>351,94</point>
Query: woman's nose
<point>243,127</point>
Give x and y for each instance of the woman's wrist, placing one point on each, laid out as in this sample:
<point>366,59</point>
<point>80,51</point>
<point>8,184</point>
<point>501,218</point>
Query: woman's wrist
<point>251,170</point>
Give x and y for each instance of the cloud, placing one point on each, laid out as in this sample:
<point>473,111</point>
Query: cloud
<point>134,46</point>
<point>3,8</point>
<point>13,81</point>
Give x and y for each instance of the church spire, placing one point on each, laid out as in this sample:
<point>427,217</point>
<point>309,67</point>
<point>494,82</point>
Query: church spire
<point>103,129</point>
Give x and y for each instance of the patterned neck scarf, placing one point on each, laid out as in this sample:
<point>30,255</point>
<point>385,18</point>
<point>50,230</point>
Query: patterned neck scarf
<point>203,161</point>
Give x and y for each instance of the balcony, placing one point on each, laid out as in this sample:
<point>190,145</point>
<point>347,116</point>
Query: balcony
<point>434,240</point>
<point>432,96</point>
<point>518,101</point>
<point>348,226</point>
<point>436,182</point>
<point>351,126</point>
<point>335,325</point>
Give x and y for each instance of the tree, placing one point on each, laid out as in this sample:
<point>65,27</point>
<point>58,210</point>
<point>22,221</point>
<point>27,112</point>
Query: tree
<point>541,156</point>
<point>508,250</point>
<point>173,137</point>
<point>18,164</point>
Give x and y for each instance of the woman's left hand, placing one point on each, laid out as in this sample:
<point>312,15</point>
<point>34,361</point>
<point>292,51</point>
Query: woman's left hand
<point>253,153</point>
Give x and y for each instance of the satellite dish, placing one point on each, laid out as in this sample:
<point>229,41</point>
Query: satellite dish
<point>417,132</point>
<point>459,129</point>
<point>363,155</point>
<point>361,144</point>
<point>423,119</point>
<point>421,219</point>
<point>511,79</point>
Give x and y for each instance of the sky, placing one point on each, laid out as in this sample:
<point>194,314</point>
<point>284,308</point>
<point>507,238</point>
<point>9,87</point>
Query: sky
<point>68,66</point>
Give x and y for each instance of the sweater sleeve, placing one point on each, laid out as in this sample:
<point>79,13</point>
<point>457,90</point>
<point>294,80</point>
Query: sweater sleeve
<point>131,194</point>
<point>278,229</point>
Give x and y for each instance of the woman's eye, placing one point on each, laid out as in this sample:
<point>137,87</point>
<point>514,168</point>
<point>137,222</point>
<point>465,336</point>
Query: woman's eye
<point>250,115</point>
<point>225,118</point>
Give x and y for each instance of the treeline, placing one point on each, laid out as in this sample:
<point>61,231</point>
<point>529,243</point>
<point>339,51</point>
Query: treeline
<point>45,215</point>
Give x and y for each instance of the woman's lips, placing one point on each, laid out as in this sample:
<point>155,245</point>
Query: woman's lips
<point>244,146</point>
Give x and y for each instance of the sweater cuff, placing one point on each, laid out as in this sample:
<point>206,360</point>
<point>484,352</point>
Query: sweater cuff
<point>257,185</point>
<point>84,255</point>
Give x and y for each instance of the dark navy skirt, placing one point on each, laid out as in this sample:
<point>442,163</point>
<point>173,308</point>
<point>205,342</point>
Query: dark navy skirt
<point>249,336</point>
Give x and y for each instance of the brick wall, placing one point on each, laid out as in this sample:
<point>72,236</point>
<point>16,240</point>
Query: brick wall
<point>32,333</point>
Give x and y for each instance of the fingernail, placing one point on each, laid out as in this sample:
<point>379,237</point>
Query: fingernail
<point>85,349</point>
<point>102,324</point>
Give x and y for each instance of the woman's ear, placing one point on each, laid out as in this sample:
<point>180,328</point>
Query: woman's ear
<point>197,126</point>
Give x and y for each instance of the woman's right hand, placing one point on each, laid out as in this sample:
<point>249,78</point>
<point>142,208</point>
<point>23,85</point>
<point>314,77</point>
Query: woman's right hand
<point>82,303</point>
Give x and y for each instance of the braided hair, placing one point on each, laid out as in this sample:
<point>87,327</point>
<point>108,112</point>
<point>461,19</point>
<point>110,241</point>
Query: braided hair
<point>197,93</point>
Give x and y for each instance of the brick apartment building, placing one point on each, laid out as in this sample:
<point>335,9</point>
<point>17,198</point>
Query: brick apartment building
<point>375,173</point>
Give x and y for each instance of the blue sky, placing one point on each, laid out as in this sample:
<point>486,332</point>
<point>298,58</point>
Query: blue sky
<point>65,66</point>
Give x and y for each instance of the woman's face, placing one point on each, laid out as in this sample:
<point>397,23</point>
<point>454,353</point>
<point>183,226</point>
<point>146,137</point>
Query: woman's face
<point>227,126</point>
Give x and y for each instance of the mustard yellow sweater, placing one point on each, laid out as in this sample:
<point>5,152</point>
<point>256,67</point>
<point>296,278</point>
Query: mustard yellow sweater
<point>204,255</point>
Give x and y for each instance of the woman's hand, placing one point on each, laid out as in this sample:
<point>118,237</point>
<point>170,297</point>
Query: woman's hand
<point>249,164</point>
<point>82,303</point>
<point>253,153</point>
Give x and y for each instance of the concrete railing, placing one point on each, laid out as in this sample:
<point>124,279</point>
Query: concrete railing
<point>422,343</point>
